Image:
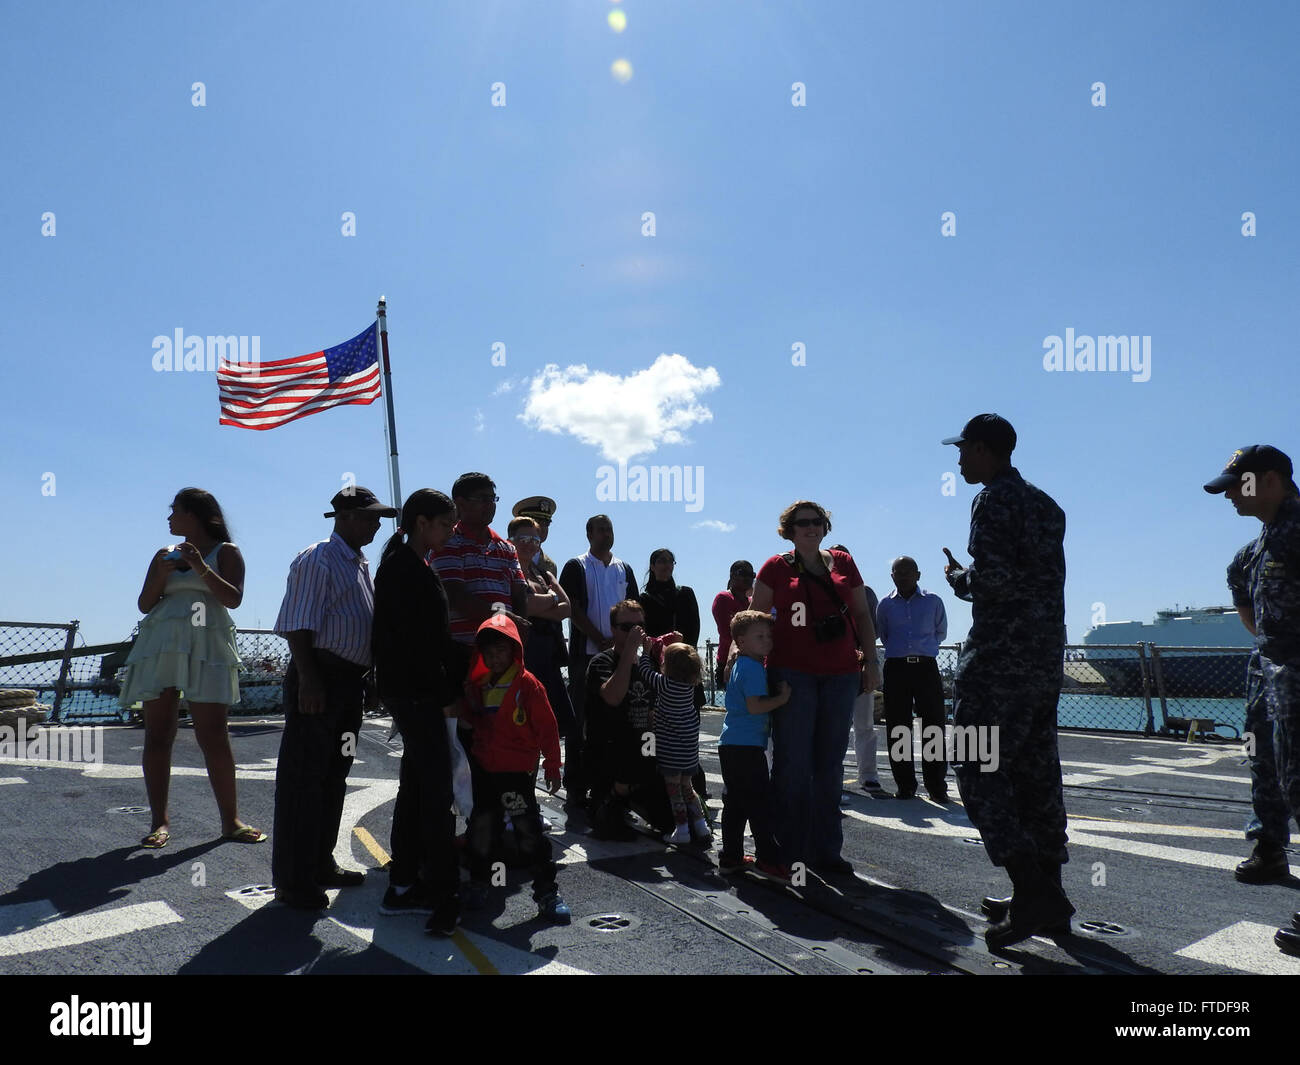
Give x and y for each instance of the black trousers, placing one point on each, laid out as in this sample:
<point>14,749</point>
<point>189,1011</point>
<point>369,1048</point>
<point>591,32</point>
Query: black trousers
<point>907,685</point>
<point>311,773</point>
<point>575,780</point>
<point>749,798</point>
<point>424,828</point>
<point>496,794</point>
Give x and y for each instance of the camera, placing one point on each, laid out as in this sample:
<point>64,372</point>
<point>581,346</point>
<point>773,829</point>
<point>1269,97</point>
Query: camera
<point>829,629</point>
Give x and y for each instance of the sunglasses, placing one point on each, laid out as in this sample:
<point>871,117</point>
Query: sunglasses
<point>527,539</point>
<point>626,626</point>
<point>804,523</point>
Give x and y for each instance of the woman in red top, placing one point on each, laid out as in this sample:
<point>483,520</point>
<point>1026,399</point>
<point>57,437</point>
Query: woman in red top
<point>740,585</point>
<point>822,620</point>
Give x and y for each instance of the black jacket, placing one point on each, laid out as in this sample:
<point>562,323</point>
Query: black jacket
<point>415,656</point>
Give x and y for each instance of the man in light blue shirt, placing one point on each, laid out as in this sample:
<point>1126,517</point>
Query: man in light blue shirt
<point>912,623</point>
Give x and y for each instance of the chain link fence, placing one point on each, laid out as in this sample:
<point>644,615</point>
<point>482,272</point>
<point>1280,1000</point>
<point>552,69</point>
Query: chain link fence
<point>80,683</point>
<point>1135,688</point>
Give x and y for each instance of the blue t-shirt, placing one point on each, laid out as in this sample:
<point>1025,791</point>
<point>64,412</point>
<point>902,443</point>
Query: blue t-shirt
<point>740,728</point>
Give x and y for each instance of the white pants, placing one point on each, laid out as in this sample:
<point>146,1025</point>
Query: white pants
<point>864,735</point>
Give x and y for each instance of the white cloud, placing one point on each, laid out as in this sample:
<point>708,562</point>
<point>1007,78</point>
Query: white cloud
<point>622,416</point>
<point>480,422</point>
<point>716,526</point>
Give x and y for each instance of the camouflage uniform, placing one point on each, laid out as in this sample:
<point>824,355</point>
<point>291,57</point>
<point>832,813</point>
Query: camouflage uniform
<point>1271,822</point>
<point>1272,569</point>
<point>1010,670</point>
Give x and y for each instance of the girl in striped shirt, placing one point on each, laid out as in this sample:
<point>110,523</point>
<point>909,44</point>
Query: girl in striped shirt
<point>676,730</point>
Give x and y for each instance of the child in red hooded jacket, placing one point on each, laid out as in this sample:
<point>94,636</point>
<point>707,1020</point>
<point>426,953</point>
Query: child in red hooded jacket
<point>513,723</point>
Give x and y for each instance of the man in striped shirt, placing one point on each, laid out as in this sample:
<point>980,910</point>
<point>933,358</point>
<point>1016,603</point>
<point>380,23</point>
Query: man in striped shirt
<point>479,569</point>
<point>327,616</point>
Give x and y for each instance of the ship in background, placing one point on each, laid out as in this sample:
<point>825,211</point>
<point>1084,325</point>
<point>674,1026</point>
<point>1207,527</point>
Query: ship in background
<point>1197,649</point>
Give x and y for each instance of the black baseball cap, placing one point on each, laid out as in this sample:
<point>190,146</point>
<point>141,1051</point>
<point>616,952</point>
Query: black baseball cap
<point>358,498</point>
<point>1257,458</point>
<point>992,429</point>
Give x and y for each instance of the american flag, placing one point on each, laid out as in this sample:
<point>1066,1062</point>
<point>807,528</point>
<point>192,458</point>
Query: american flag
<point>264,395</point>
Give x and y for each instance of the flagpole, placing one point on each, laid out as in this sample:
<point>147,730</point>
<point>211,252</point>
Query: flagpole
<point>390,426</point>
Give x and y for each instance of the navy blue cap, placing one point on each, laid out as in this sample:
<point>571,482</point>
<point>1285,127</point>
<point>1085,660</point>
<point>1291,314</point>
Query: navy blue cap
<point>992,429</point>
<point>358,498</point>
<point>1257,458</point>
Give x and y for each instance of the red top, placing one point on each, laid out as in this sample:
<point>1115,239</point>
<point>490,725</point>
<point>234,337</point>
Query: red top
<point>794,646</point>
<point>509,740</point>
<point>725,607</point>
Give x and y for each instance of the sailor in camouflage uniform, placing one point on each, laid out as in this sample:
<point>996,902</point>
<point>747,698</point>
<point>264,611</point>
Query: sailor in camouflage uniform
<point>1258,481</point>
<point>1008,678</point>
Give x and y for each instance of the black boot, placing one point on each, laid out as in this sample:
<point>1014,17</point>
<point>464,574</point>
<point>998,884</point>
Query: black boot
<point>1267,864</point>
<point>995,909</point>
<point>1038,905</point>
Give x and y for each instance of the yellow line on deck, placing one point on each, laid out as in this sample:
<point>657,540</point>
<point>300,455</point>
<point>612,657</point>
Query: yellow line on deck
<point>368,841</point>
<point>472,954</point>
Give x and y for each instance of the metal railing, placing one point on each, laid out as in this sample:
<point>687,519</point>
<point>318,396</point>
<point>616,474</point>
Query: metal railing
<point>81,684</point>
<point>1136,688</point>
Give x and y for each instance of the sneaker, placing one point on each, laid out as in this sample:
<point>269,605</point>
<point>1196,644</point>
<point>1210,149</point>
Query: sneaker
<point>701,831</point>
<point>446,913</point>
<point>778,874</point>
<point>414,899</point>
<point>476,895</point>
<point>554,909</point>
<point>870,785</point>
<point>732,866</point>
<point>680,834</point>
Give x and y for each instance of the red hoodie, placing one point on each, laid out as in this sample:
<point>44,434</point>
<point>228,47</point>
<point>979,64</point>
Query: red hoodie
<point>508,740</point>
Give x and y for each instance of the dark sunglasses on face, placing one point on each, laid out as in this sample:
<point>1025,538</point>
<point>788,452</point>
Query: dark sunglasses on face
<point>527,538</point>
<point>804,523</point>
<point>626,626</point>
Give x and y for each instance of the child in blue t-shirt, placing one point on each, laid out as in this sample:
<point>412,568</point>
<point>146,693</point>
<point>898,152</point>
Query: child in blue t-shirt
<point>742,749</point>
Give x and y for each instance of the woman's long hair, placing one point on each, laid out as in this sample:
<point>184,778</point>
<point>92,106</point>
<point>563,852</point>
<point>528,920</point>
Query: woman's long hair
<point>204,506</point>
<point>422,503</point>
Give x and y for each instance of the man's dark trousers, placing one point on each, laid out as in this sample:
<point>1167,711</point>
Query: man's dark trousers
<point>311,774</point>
<point>913,681</point>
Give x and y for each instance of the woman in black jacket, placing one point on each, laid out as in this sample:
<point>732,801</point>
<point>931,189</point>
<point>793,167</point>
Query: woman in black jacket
<point>670,607</point>
<point>420,672</point>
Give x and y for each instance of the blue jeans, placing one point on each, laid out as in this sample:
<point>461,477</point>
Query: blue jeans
<point>809,737</point>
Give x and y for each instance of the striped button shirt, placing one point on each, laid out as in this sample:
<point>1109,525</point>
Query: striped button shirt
<point>330,594</point>
<point>487,570</point>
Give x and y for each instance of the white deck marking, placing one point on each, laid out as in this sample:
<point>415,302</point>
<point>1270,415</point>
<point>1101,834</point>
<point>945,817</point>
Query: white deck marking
<point>1245,946</point>
<point>89,927</point>
<point>12,780</point>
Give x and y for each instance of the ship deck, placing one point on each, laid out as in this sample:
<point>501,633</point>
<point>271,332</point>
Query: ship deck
<point>1155,827</point>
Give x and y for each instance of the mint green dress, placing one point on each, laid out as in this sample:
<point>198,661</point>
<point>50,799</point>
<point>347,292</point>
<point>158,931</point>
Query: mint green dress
<point>171,651</point>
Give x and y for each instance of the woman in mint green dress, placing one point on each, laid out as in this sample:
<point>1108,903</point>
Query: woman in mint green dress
<point>186,644</point>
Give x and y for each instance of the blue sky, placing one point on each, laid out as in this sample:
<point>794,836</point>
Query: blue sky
<point>775,225</point>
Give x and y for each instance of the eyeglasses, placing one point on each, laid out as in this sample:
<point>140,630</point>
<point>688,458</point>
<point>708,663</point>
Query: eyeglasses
<point>626,626</point>
<point>804,523</point>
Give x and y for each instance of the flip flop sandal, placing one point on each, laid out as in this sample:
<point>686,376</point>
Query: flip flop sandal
<point>156,840</point>
<point>247,834</point>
